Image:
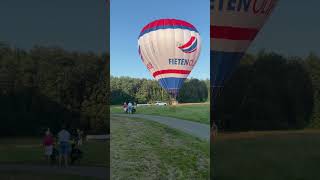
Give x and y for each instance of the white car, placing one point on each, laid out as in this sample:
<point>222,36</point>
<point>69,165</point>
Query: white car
<point>159,103</point>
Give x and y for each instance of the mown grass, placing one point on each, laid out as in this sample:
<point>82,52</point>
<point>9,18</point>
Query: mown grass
<point>30,151</point>
<point>279,155</point>
<point>142,149</point>
<point>17,175</point>
<point>193,112</point>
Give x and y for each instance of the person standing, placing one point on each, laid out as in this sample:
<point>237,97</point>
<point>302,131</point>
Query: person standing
<point>125,107</point>
<point>48,144</point>
<point>79,137</point>
<point>64,145</point>
<point>130,108</point>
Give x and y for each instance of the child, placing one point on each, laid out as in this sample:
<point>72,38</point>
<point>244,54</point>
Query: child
<point>48,145</point>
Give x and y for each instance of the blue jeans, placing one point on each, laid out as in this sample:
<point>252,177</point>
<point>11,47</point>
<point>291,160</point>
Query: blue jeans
<point>64,148</point>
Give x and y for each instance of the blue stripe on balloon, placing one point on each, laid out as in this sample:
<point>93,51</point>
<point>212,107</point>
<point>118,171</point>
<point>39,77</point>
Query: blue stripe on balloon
<point>166,27</point>
<point>191,48</point>
<point>172,85</point>
<point>222,65</point>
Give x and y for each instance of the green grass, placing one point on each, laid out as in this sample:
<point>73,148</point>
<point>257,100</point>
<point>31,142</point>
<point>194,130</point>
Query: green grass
<point>15,175</point>
<point>286,155</point>
<point>30,151</point>
<point>147,150</point>
<point>193,112</point>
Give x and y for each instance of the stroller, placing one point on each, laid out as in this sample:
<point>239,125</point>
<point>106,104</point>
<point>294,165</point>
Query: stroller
<point>54,156</point>
<point>75,154</point>
<point>133,110</point>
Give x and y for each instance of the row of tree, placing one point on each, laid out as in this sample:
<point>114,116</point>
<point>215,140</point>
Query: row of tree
<point>125,89</point>
<point>48,86</point>
<point>268,92</point>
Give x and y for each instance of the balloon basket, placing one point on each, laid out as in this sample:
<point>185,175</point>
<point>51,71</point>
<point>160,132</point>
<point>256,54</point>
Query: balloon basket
<point>174,102</point>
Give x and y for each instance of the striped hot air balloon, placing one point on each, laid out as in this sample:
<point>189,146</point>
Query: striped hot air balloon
<point>234,24</point>
<point>170,49</point>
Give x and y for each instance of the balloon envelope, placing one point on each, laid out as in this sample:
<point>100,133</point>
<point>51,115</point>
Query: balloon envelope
<point>170,49</point>
<point>234,24</point>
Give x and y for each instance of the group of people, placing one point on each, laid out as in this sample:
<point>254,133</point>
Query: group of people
<point>128,107</point>
<point>68,145</point>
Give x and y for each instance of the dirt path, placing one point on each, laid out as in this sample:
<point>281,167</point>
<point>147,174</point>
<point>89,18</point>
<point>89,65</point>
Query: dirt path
<point>96,172</point>
<point>199,130</point>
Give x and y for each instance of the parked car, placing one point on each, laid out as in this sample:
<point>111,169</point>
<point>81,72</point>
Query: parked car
<point>159,103</point>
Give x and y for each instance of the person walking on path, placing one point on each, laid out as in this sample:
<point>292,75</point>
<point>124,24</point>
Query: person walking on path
<point>64,145</point>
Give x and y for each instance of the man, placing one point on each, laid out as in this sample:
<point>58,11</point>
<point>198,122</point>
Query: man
<point>130,108</point>
<point>64,145</point>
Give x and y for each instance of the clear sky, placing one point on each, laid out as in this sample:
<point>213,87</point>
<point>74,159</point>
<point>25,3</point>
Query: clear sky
<point>80,25</point>
<point>292,30</point>
<point>128,17</point>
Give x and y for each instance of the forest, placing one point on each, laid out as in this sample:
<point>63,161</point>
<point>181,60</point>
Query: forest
<point>50,86</point>
<point>45,87</point>
<point>270,92</point>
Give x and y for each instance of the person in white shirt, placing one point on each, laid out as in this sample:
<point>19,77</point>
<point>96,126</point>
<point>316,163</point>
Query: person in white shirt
<point>130,108</point>
<point>64,145</point>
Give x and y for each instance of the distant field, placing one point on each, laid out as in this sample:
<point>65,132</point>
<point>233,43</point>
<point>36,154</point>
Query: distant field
<point>14,175</point>
<point>193,112</point>
<point>279,155</point>
<point>29,150</point>
<point>143,149</point>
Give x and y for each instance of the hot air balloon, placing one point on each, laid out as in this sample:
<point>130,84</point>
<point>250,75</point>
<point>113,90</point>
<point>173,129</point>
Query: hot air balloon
<point>234,24</point>
<point>170,49</point>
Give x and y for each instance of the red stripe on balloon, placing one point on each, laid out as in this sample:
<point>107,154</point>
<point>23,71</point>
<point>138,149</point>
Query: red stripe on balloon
<point>167,22</point>
<point>170,71</point>
<point>188,43</point>
<point>233,33</point>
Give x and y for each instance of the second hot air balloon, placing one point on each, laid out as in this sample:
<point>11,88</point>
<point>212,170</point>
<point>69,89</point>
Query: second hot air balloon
<point>170,49</point>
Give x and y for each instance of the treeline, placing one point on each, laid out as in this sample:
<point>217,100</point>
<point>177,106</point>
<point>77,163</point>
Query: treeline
<point>48,86</point>
<point>268,92</point>
<point>147,91</point>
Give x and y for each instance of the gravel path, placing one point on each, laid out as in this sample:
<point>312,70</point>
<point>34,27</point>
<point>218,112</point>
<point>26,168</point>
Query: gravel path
<point>199,130</point>
<point>97,172</point>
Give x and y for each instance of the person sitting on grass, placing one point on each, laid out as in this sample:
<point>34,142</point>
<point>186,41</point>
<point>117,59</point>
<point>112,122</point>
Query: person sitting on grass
<point>48,144</point>
<point>64,145</point>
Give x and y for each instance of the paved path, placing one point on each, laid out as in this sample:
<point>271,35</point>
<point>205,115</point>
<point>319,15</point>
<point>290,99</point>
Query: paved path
<point>196,129</point>
<point>96,172</point>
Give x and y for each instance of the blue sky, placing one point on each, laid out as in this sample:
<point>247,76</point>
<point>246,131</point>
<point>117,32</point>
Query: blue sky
<point>129,17</point>
<point>77,25</point>
<point>82,25</point>
<point>292,30</point>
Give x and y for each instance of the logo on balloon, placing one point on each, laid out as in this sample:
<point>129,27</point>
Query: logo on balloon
<point>190,46</point>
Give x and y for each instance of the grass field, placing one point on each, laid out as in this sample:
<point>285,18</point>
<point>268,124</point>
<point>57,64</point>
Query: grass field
<point>142,149</point>
<point>193,112</point>
<point>14,175</point>
<point>279,155</point>
<point>30,151</point>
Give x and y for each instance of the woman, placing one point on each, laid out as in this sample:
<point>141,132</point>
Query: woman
<point>48,144</point>
<point>125,107</point>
